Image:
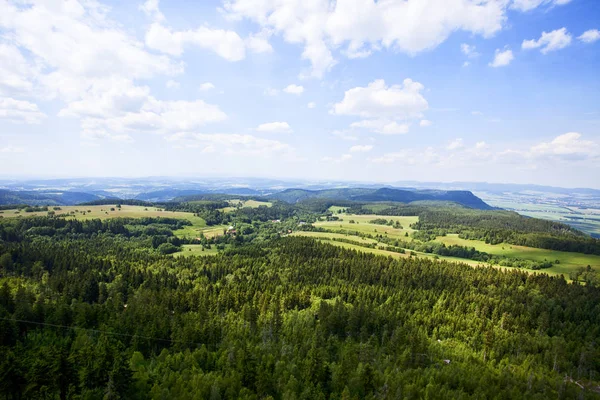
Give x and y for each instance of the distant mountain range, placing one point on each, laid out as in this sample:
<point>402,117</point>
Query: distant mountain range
<point>55,197</point>
<point>462,197</point>
<point>43,198</point>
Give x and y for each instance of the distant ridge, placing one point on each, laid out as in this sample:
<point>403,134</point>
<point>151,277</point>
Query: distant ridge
<point>463,197</point>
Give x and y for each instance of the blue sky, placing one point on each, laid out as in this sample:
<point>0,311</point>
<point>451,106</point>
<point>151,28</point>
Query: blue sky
<point>438,90</point>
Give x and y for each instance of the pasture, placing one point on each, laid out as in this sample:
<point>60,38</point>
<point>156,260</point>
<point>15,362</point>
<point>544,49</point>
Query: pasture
<point>238,203</point>
<point>195,250</point>
<point>361,224</point>
<point>568,261</point>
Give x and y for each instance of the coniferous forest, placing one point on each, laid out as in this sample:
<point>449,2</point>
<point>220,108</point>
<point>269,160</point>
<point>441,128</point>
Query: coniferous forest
<point>91,310</point>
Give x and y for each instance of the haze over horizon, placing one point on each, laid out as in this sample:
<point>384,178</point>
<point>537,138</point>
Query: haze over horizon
<point>356,90</point>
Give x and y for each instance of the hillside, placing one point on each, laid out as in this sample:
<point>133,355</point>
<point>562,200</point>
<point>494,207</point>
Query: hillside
<point>38,198</point>
<point>462,197</point>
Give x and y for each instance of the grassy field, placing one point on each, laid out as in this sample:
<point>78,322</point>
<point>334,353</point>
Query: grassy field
<point>361,224</point>
<point>112,211</point>
<point>327,236</point>
<point>105,212</point>
<point>568,261</point>
<point>195,250</point>
<point>233,204</point>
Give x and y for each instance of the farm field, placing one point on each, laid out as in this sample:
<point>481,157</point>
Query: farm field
<point>580,213</point>
<point>361,224</point>
<point>233,204</point>
<point>195,250</point>
<point>327,236</point>
<point>126,211</point>
<point>83,212</point>
<point>568,261</point>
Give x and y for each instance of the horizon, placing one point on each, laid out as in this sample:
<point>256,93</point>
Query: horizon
<point>352,183</point>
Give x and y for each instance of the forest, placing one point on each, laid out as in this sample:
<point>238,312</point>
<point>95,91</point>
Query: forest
<point>94,310</point>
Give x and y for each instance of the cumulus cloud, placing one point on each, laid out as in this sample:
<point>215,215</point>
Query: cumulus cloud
<point>150,8</point>
<point>11,149</point>
<point>502,58</point>
<point>294,89</point>
<point>382,126</point>
<point>20,111</point>
<point>378,100</point>
<point>361,27</point>
<point>337,160</point>
<point>590,36</point>
<point>274,127</point>
<point>118,107</point>
<point>259,43</point>
<point>569,146</point>
<point>74,43</point>
<point>312,104</point>
<point>361,148</point>
<point>231,143</point>
<point>425,123</point>
<point>527,5</point>
<point>469,50</point>
<point>549,41</point>
<point>206,86</point>
<point>455,144</point>
<point>171,84</point>
<point>386,108</point>
<point>344,135</point>
<point>226,44</point>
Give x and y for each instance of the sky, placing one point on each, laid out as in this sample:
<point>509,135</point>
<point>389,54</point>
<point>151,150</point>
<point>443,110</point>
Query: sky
<point>501,91</point>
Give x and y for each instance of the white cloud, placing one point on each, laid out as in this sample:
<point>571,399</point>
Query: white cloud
<point>344,135</point>
<point>360,27</point>
<point>549,41</point>
<point>380,101</point>
<point>455,144</point>
<point>11,149</point>
<point>171,84</point>
<point>481,145</point>
<point>294,89</point>
<point>469,50</point>
<point>150,8</point>
<point>74,43</point>
<point>312,104</point>
<point>361,148</point>
<point>590,36</point>
<point>382,126</point>
<point>206,86</point>
<point>337,160</point>
<point>16,73</point>
<point>567,146</point>
<point>478,113</point>
<point>274,127</point>
<point>425,123</point>
<point>226,44</point>
<point>527,5</point>
<point>259,43</point>
<point>20,111</point>
<point>502,58</point>
<point>117,107</point>
<point>233,143</point>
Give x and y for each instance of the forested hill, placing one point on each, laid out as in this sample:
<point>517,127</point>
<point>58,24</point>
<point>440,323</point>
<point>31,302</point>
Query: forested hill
<point>462,197</point>
<point>45,198</point>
